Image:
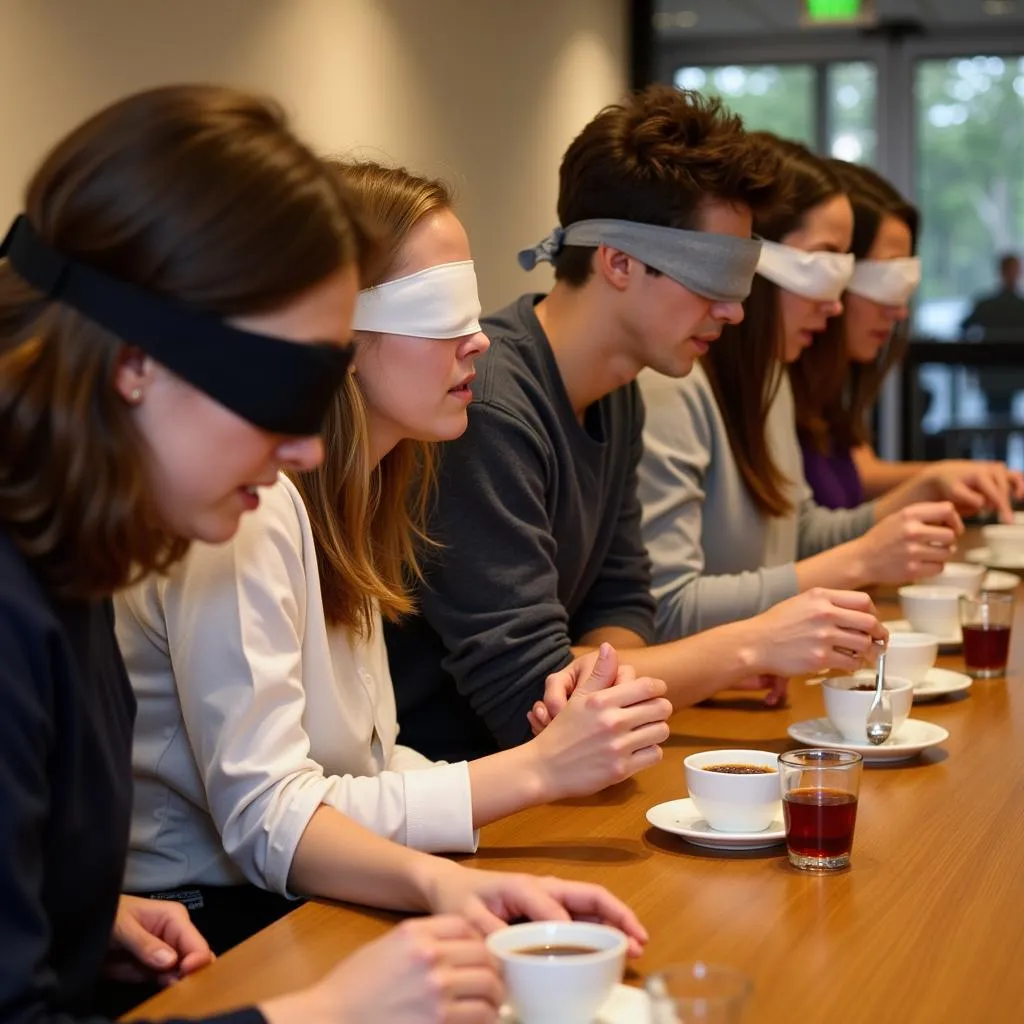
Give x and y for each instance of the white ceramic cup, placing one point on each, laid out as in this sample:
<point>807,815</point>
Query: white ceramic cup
<point>559,989</point>
<point>847,708</point>
<point>963,576</point>
<point>910,655</point>
<point>1005,541</point>
<point>931,609</point>
<point>734,803</point>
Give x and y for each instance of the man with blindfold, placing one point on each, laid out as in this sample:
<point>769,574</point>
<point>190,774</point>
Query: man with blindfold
<point>540,558</point>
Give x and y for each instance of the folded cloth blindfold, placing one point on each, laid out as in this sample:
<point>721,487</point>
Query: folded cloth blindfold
<point>278,385</point>
<point>717,267</point>
<point>439,302</point>
<point>821,276</point>
<point>887,282</point>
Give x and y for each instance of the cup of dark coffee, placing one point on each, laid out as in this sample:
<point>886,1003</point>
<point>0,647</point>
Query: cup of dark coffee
<point>559,972</point>
<point>734,790</point>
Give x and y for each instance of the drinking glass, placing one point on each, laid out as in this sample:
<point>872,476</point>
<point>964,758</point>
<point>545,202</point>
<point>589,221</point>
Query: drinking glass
<point>698,993</point>
<point>985,621</point>
<point>819,805</point>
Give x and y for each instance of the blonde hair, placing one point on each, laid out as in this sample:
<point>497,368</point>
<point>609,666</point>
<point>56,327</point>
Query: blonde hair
<point>369,522</point>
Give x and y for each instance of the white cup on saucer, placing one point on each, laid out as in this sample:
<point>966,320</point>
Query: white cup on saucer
<point>931,609</point>
<point>550,988</point>
<point>1005,541</point>
<point>734,802</point>
<point>964,576</point>
<point>847,708</point>
<point>911,655</point>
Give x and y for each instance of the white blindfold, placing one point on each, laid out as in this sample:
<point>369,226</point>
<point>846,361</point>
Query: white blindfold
<point>440,302</point>
<point>821,276</point>
<point>887,282</point>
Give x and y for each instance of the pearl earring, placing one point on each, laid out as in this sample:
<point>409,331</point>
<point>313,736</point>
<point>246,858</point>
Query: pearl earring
<point>136,394</point>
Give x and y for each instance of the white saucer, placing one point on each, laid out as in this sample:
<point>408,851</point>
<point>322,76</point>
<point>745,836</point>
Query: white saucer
<point>985,556</point>
<point>626,1005</point>
<point>682,818</point>
<point>949,642</point>
<point>997,580</point>
<point>912,737</point>
<point>940,682</point>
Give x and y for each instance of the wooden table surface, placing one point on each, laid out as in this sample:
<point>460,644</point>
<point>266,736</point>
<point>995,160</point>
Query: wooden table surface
<point>926,926</point>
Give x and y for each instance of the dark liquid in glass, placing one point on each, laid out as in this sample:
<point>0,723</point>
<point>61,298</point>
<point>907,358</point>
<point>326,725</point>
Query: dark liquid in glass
<point>986,646</point>
<point>819,822</point>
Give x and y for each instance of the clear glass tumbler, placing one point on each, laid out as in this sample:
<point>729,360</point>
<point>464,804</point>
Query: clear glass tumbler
<point>819,805</point>
<point>698,993</point>
<point>986,621</point>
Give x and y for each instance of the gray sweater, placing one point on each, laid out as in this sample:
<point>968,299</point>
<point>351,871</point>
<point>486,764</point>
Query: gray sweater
<point>538,520</point>
<point>717,557</point>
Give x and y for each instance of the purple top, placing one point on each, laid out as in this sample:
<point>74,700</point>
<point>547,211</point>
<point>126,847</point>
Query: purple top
<point>833,478</point>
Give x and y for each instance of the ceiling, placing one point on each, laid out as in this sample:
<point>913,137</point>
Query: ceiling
<point>687,18</point>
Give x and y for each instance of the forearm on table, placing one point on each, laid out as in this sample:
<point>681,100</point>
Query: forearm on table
<point>879,477</point>
<point>839,568</point>
<point>506,782</point>
<point>693,668</point>
<point>339,859</point>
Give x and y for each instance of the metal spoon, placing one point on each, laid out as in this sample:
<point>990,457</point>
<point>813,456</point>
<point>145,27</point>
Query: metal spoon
<point>879,725</point>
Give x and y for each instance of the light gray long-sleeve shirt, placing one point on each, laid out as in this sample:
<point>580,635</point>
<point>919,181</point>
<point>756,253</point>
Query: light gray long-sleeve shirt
<point>716,556</point>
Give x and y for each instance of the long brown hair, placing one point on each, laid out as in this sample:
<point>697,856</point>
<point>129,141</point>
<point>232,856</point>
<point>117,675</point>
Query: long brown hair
<point>834,396</point>
<point>199,193</point>
<point>369,522</point>
<point>745,365</point>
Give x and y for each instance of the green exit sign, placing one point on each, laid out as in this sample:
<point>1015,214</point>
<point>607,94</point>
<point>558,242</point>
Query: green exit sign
<point>820,12</point>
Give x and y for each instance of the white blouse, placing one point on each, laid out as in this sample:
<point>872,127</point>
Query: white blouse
<point>252,712</point>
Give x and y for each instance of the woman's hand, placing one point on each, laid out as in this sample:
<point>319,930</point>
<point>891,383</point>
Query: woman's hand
<point>974,486</point>
<point>814,632</point>
<point>911,544</point>
<point>154,940</point>
<point>609,728</point>
<point>491,899</point>
<point>431,970</point>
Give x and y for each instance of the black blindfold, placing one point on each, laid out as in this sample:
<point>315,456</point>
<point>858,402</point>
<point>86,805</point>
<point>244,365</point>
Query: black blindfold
<point>281,386</point>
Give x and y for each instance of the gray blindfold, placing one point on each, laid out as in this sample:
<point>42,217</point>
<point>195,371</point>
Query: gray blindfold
<point>718,267</point>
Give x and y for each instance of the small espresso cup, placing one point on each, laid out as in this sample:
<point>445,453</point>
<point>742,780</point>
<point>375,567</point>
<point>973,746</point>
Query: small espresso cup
<point>964,576</point>
<point>1005,541</point>
<point>911,655</point>
<point>931,609</point>
<point>559,972</point>
<point>847,704</point>
<point>731,802</point>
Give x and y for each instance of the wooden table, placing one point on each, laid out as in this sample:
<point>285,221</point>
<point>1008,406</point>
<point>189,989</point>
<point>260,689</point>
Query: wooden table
<point>927,925</point>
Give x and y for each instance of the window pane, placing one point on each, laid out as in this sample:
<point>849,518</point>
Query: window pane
<point>770,97</point>
<point>970,181</point>
<point>852,98</point>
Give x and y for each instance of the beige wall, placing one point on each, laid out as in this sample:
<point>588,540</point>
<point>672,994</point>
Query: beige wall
<point>486,93</point>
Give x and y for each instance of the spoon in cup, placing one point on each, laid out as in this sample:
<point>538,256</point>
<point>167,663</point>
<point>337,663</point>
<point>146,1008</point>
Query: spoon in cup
<point>879,724</point>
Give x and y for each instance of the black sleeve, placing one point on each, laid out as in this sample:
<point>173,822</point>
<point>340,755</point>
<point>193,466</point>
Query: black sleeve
<point>28,981</point>
<point>621,594</point>
<point>492,591</point>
